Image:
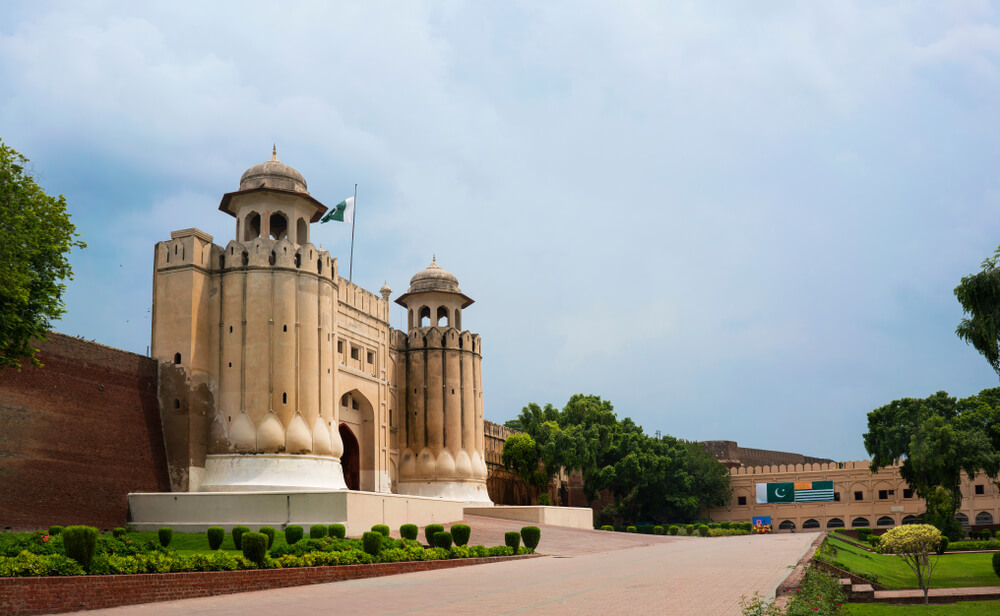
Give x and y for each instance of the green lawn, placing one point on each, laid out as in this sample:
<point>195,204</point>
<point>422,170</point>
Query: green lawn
<point>193,543</point>
<point>952,570</point>
<point>964,608</point>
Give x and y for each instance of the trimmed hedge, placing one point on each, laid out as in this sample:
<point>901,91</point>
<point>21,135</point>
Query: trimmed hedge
<point>863,533</point>
<point>117,533</point>
<point>657,530</point>
<point>317,531</point>
<point>703,530</point>
<point>442,540</point>
<point>165,534</point>
<point>55,530</point>
<point>461,533</point>
<point>512,539</point>
<point>238,532</point>
<point>382,529</point>
<point>337,531</point>
<point>270,532</point>
<point>689,529</point>
<point>942,545</point>
<point>216,535</point>
<point>630,529</point>
<point>254,547</point>
<point>293,534</point>
<point>530,536</point>
<point>429,531</point>
<point>674,529</point>
<point>996,563</point>
<point>409,531</point>
<point>371,541</point>
<point>607,527</point>
<point>80,544</point>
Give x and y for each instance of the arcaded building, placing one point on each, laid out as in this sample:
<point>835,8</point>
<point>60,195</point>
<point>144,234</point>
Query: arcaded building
<point>279,374</point>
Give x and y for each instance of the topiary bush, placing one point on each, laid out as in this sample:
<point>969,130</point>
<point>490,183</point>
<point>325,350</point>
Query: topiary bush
<point>371,541</point>
<point>630,529</point>
<point>117,533</point>
<point>270,532</point>
<point>657,530</point>
<point>726,525</point>
<point>429,531</point>
<point>55,530</point>
<point>166,535</point>
<point>530,536</point>
<point>461,533</point>
<point>996,563</point>
<point>607,527</point>
<point>943,545</point>
<point>337,531</point>
<point>443,540</point>
<point>254,547</point>
<point>689,529</point>
<point>512,539</point>
<point>317,531</point>
<point>216,535</point>
<point>381,529</point>
<point>80,543</point>
<point>238,535</point>
<point>873,541</point>
<point>674,529</point>
<point>703,530</point>
<point>409,531</point>
<point>863,533</point>
<point>293,533</point>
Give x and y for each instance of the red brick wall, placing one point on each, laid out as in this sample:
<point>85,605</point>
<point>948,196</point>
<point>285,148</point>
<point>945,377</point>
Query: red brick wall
<point>77,435</point>
<point>51,595</point>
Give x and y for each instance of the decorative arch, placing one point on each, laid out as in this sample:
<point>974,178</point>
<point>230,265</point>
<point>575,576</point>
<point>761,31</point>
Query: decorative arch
<point>424,313</point>
<point>835,523</point>
<point>251,228</point>
<point>860,522</point>
<point>786,525</point>
<point>810,523</point>
<point>350,460</point>
<point>885,521</point>
<point>301,231</point>
<point>358,414</point>
<point>277,226</point>
<point>984,518</point>
<point>911,519</point>
<point>962,519</point>
<point>442,317</point>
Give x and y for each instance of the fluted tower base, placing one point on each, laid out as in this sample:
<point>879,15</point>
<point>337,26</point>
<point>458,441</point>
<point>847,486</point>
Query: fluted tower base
<point>271,472</point>
<point>472,492</point>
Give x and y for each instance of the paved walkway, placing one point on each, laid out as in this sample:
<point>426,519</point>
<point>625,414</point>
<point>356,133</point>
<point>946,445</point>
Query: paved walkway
<point>587,572</point>
<point>939,595</point>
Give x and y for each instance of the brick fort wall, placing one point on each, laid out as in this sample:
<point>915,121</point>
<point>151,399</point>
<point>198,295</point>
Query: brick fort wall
<point>77,435</point>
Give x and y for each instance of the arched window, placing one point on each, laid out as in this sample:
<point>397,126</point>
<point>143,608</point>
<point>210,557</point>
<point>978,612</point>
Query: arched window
<point>859,522</point>
<point>177,358</point>
<point>251,229</point>
<point>246,258</point>
<point>810,523</point>
<point>442,316</point>
<point>301,232</point>
<point>885,521</point>
<point>278,226</point>
<point>425,316</point>
<point>911,519</point>
<point>983,518</point>
<point>835,523</point>
<point>786,525</point>
<point>962,519</point>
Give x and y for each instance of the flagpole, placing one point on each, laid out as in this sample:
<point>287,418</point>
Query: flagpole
<point>354,219</point>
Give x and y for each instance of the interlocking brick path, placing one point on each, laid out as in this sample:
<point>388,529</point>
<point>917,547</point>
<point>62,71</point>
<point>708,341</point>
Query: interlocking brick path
<point>588,572</point>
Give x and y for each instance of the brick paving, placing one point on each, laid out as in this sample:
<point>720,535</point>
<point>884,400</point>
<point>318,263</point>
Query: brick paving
<point>586,572</point>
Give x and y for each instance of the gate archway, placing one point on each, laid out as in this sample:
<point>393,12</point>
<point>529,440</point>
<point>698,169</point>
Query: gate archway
<point>351,459</point>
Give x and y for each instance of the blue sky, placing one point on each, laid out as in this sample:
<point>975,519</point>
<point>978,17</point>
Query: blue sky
<point>736,221</point>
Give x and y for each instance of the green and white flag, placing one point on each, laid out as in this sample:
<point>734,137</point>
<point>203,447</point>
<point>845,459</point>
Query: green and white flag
<point>775,493</point>
<point>344,212</point>
<point>794,492</point>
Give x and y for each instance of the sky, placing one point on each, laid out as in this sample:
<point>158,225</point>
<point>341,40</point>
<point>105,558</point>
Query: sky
<point>739,221</point>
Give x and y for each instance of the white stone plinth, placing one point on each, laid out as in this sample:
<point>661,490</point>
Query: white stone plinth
<point>471,492</point>
<point>271,472</point>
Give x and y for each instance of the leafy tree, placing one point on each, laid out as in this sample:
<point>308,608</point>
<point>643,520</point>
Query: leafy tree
<point>520,454</point>
<point>914,543</point>
<point>979,295</point>
<point>37,235</point>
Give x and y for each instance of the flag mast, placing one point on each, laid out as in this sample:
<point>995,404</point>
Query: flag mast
<point>350,271</point>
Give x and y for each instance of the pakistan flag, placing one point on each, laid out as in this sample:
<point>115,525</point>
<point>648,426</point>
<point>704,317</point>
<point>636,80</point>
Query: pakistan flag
<point>775,493</point>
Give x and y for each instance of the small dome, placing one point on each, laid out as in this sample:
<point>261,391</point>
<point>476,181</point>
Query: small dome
<point>273,174</point>
<point>433,278</point>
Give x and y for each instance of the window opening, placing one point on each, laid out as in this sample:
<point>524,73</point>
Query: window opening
<point>278,226</point>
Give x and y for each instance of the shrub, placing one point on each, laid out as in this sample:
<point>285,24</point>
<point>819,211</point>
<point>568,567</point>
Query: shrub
<point>544,500</point>
<point>442,540</point>
<point>381,529</point>
<point>512,539</point>
<point>254,547</point>
<point>317,531</point>
<point>166,535</point>
<point>630,529</point>
<point>461,533</point>
<point>238,535</point>
<point>657,530</point>
<point>117,533</point>
<point>689,529</point>
<point>530,536</point>
<point>912,543</point>
<point>873,540</point>
<point>80,544</point>
<point>216,535</point>
<point>55,530</point>
<point>607,527</point>
<point>293,533</point>
<point>337,531</point>
<point>996,563</point>
<point>703,530</point>
<point>429,531</point>
<point>644,529</point>
<point>944,546</point>
<point>371,541</point>
<point>270,532</point>
<point>863,534</point>
<point>409,531</point>
<point>726,525</point>
<point>674,529</point>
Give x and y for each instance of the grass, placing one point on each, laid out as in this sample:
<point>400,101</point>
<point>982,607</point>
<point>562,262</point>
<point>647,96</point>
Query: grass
<point>951,571</point>
<point>963,608</point>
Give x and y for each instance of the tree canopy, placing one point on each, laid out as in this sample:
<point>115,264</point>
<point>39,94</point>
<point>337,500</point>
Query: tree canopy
<point>913,543</point>
<point>979,295</point>
<point>935,440</point>
<point>37,235</point>
<point>651,479</point>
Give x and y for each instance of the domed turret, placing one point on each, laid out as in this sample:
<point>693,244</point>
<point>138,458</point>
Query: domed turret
<point>273,174</point>
<point>433,278</point>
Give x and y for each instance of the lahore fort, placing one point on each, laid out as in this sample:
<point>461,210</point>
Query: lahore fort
<point>274,385</point>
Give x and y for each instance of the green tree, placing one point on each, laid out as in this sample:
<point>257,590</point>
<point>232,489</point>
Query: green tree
<point>37,235</point>
<point>521,455</point>
<point>913,543</point>
<point>979,295</point>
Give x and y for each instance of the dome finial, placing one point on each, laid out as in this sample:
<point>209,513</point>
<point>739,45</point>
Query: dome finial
<point>274,151</point>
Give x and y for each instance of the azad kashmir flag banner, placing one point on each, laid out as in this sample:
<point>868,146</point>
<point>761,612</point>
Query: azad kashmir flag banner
<point>794,492</point>
<point>344,212</point>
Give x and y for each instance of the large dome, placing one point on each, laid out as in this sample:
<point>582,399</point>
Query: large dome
<point>433,278</point>
<point>273,174</point>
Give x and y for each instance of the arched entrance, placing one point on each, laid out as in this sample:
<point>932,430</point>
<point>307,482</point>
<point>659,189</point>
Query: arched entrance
<point>351,460</point>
